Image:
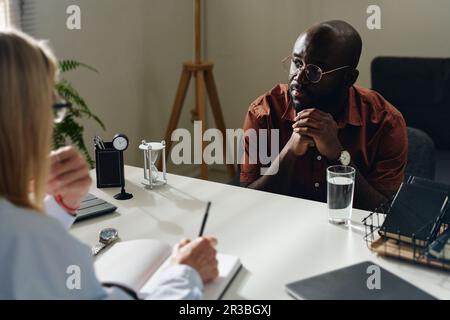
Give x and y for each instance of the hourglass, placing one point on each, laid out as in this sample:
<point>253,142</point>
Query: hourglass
<point>152,177</point>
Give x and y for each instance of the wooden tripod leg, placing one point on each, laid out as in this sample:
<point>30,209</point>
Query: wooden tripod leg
<point>201,109</point>
<point>176,109</point>
<point>217,111</point>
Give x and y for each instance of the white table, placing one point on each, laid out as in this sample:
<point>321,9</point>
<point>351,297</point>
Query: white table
<point>279,239</point>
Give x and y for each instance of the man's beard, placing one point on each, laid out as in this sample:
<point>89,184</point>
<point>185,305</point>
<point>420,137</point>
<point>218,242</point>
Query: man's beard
<point>298,105</point>
<point>323,103</point>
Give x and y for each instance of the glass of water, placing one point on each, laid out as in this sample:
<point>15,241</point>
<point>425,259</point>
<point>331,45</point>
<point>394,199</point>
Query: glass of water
<point>340,190</point>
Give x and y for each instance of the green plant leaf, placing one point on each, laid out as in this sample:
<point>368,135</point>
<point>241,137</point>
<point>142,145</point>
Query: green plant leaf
<point>69,65</point>
<point>69,131</point>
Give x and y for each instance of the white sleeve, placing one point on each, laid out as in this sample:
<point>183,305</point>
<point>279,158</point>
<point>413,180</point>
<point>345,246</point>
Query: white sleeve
<point>175,283</point>
<point>54,210</point>
<point>178,282</point>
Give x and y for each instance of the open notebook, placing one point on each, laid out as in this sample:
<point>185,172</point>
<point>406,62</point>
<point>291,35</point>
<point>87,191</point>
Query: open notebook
<point>136,264</point>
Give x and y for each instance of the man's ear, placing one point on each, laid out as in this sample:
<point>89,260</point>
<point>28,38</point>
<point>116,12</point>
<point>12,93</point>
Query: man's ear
<point>352,76</point>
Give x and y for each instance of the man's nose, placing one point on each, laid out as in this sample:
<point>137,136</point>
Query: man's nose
<point>300,75</point>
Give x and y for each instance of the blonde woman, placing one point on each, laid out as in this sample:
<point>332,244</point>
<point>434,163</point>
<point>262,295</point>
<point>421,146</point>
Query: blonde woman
<point>39,194</point>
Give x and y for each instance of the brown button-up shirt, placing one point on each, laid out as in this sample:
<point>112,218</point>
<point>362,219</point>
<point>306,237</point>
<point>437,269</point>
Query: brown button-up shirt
<point>372,131</point>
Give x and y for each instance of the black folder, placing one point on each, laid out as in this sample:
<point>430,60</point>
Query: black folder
<point>350,283</point>
<point>435,186</point>
<point>430,184</point>
<point>415,212</point>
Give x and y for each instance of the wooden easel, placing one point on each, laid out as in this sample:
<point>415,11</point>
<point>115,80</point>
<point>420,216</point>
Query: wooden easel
<point>204,79</point>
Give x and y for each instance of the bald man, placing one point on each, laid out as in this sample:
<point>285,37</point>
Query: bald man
<point>324,119</point>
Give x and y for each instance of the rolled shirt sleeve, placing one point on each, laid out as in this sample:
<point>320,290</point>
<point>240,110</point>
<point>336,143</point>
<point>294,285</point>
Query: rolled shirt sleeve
<point>54,210</point>
<point>250,165</point>
<point>178,282</point>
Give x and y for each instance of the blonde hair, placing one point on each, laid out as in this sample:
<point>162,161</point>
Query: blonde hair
<point>27,75</point>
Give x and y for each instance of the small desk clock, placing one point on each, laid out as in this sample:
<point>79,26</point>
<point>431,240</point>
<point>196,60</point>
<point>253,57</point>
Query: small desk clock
<point>120,142</point>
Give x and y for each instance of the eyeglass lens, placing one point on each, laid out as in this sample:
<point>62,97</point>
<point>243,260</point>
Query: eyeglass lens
<point>313,72</point>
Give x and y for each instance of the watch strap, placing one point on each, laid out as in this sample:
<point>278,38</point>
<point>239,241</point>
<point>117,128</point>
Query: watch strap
<point>97,248</point>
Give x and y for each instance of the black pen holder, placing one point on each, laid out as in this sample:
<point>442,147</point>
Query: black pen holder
<point>109,167</point>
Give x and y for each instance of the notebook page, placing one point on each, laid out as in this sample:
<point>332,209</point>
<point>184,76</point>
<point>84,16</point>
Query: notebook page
<point>131,263</point>
<point>228,267</point>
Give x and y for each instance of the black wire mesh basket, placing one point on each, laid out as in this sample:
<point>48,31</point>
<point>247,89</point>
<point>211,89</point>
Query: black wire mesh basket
<point>414,249</point>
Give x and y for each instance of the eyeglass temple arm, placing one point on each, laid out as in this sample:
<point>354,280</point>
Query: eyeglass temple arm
<point>286,59</point>
<point>335,69</point>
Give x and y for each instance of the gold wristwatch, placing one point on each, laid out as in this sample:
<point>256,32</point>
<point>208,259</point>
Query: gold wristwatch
<point>345,158</point>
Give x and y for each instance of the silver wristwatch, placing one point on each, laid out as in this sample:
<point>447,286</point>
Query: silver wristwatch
<point>107,237</point>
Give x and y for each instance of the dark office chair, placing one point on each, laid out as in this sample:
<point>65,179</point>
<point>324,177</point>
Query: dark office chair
<point>421,155</point>
<point>420,89</point>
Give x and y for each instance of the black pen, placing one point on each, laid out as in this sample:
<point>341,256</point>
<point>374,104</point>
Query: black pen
<point>435,230</point>
<point>99,143</point>
<point>204,219</point>
<point>96,144</point>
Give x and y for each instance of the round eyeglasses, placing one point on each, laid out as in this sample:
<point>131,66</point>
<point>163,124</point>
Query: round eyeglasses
<point>313,73</point>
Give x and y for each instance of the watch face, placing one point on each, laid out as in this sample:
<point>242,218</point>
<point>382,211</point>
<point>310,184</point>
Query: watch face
<point>109,234</point>
<point>345,158</point>
<point>120,143</point>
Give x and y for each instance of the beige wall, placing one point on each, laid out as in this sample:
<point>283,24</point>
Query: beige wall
<point>167,44</point>
<point>111,40</point>
<point>139,45</point>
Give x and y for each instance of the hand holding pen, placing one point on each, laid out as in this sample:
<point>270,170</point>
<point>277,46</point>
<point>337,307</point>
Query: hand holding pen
<point>199,254</point>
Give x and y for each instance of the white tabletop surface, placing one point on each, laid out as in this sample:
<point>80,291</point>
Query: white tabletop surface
<point>279,239</point>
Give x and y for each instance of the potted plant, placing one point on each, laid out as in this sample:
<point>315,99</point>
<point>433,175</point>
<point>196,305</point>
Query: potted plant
<point>70,131</point>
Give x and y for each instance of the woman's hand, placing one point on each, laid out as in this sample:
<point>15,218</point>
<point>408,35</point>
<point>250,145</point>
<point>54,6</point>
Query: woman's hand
<point>199,254</point>
<point>69,176</point>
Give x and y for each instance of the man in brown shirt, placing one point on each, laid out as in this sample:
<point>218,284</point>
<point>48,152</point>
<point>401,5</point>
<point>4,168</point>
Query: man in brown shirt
<point>324,119</point>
